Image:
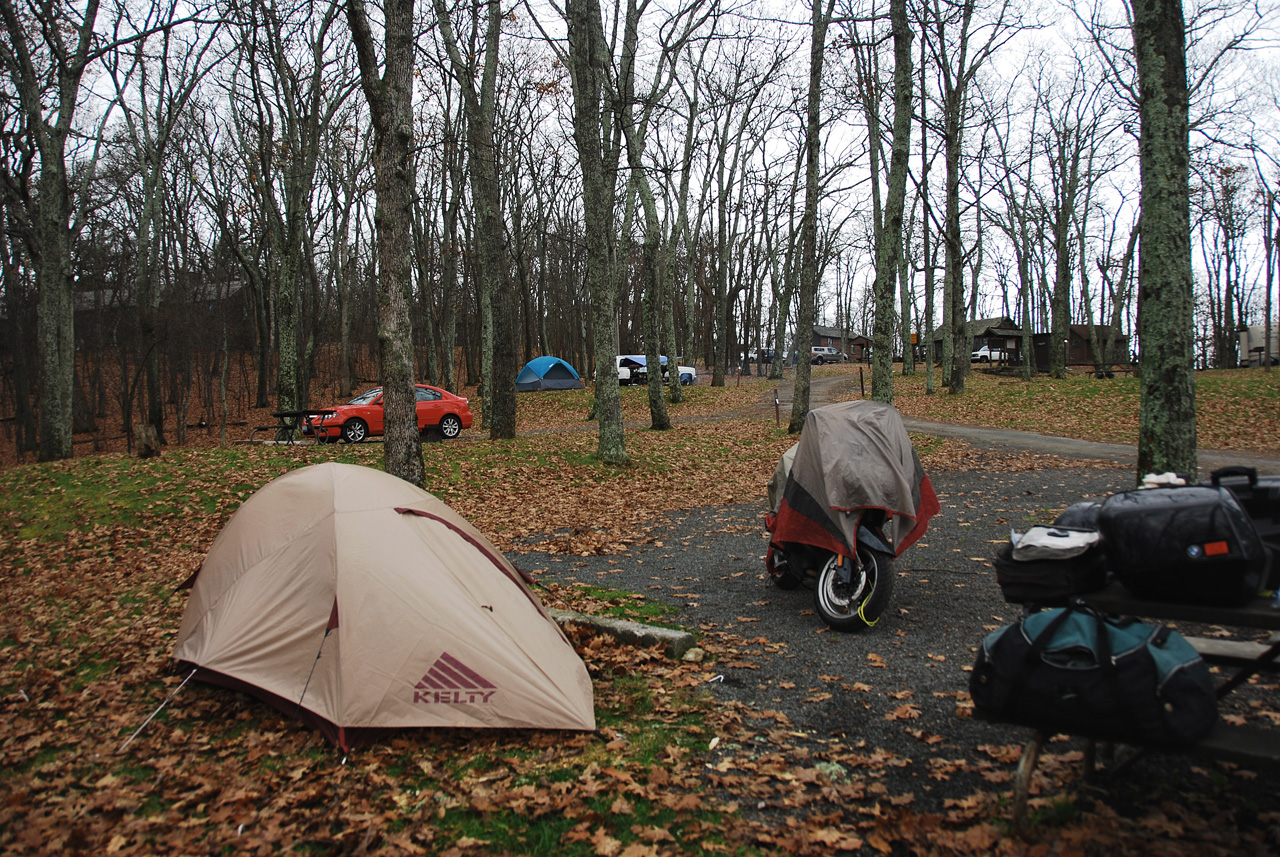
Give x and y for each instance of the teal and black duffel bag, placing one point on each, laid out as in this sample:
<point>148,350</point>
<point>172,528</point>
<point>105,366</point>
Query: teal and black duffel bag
<point>1078,671</point>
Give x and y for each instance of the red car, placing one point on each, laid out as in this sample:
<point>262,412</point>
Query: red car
<point>362,416</point>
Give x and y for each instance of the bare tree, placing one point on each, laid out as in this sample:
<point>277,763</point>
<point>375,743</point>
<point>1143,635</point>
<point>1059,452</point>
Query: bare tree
<point>808,286</point>
<point>673,34</point>
<point>163,83</point>
<point>1018,216</point>
<point>734,101</point>
<point>1116,269</point>
<point>390,98</point>
<point>1267,180</point>
<point>960,43</point>
<point>437,230</point>
<point>1073,134</point>
<point>298,78</point>
<point>598,153</point>
<point>490,230</point>
<point>346,172</point>
<point>1223,224</point>
<point>46,51</point>
<point>682,167</point>
<point>887,225</point>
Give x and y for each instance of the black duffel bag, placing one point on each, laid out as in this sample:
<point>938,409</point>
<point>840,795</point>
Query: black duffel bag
<point>1076,671</point>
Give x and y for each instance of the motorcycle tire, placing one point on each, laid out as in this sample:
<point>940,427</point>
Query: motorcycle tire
<point>859,603</point>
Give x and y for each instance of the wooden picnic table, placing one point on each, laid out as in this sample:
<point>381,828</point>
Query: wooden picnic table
<point>1242,659</point>
<point>289,425</point>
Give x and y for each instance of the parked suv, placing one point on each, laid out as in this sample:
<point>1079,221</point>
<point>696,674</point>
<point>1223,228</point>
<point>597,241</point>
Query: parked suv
<point>632,370</point>
<point>820,354</point>
<point>986,354</point>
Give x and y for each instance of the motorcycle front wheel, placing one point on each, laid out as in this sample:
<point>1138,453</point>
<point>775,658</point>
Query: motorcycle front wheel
<point>859,603</point>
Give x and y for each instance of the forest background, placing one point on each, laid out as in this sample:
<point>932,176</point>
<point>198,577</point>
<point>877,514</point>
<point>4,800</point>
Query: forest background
<point>192,205</point>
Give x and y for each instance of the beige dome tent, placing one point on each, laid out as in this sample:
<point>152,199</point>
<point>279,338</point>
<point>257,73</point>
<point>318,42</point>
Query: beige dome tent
<point>356,601</point>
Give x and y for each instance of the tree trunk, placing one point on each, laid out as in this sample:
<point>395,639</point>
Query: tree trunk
<point>15,307</point>
<point>493,271</point>
<point>148,298</point>
<point>809,220</point>
<point>650,272</point>
<point>55,319</point>
<point>889,235</point>
<point>955,364</point>
<point>909,326</point>
<point>390,100</point>
<point>1167,419</point>
<point>926,222</point>
<point>586,71</point>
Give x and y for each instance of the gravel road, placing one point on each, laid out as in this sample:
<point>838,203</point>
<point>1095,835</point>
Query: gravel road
<point>852,688</point>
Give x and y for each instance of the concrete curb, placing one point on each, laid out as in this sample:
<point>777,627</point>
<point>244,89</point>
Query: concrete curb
<point>675,643</point>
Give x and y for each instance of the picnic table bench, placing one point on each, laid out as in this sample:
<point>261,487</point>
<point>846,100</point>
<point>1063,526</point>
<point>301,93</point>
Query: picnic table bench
<point>1228,742</point>
<point>288,425</point>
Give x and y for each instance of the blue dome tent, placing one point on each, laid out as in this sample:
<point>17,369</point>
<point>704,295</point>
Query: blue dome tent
<point>547,373</point>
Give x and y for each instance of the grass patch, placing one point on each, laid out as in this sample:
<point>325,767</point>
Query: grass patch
<point>96,545</point>
<point>90,669</point>
<point>615,824</point>
<point>1236,409</point>
<point>136,773</point>
<point>50,500</point>
<point>631,700</point>
<point>1057,814</point>
<point>620,604</point>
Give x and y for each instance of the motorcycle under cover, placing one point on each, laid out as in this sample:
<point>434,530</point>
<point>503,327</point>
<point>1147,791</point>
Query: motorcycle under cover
<point>1191,544</point>
<point>853,456</point>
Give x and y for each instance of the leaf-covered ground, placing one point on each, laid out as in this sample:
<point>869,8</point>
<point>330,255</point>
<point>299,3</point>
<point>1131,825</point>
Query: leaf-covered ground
<point>1235,409</point>
<point>94,547</point>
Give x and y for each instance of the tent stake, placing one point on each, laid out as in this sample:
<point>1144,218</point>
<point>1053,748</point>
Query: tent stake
<point>167,700</point>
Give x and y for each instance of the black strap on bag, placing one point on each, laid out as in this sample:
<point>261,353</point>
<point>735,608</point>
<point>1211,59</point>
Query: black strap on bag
<point>1105,661</point>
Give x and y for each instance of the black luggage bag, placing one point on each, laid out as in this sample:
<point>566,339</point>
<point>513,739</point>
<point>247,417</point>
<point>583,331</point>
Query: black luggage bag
<point>1192,544</point>
<point>1046,580</point>
<point>1260,497</point>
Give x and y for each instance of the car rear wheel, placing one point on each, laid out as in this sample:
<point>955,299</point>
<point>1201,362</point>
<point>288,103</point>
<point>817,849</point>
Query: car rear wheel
<point>450,426</point>
<point>354,430</point>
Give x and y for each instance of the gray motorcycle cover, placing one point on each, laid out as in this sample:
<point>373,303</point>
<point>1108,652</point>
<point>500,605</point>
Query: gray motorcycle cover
<point>854,456</point>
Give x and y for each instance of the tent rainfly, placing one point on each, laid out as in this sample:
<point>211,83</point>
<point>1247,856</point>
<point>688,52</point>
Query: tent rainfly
<point>547,373</point>
<point>359,602</point>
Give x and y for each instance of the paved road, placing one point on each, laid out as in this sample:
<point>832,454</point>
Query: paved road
<point>897,690</point>
<point>1025,441</point>
<point>1066,447</point>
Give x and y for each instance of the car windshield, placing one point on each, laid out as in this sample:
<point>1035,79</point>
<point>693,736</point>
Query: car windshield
<point>366,398</point>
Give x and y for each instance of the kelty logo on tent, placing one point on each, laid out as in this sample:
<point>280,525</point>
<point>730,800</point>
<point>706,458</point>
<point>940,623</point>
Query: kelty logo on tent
<point>450,680</point>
